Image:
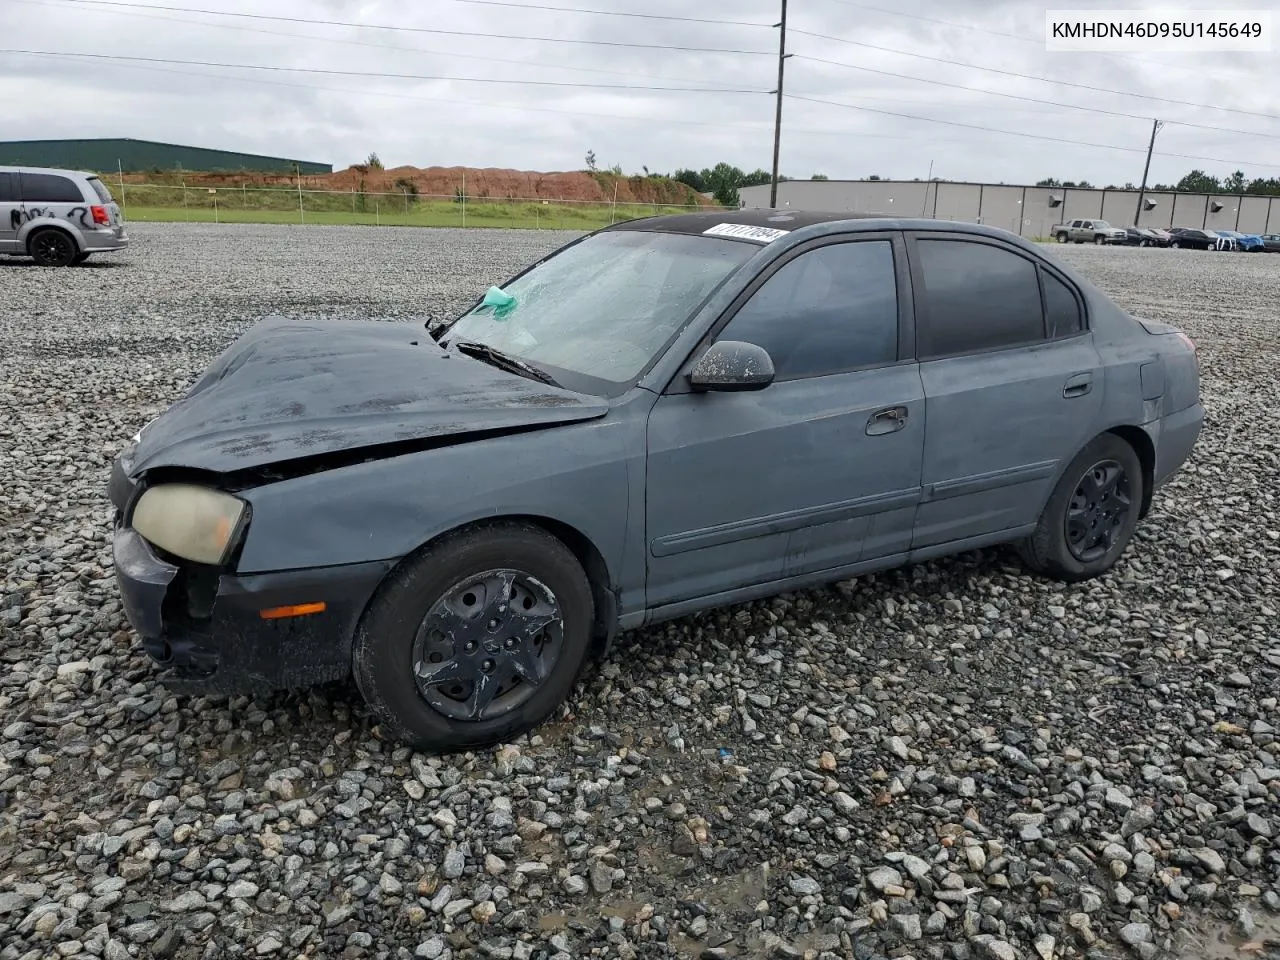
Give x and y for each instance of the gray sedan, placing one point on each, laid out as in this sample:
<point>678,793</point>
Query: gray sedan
<point>663,416</point>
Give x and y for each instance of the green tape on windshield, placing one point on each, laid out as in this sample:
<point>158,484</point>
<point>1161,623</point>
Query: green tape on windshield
<point>501,301</point>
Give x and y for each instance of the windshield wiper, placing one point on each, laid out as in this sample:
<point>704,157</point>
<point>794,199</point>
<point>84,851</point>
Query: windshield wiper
<point>503,361</point>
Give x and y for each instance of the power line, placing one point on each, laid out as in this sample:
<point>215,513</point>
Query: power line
<point>1026,99</point>
<point>1027,76</point>
<point>382,76</point>
<point>431,30</point>
<point>1020,133</point>
<point>241,28</point>
<point>611,13</point>
<point>362,43</point>
<point>758,127</point>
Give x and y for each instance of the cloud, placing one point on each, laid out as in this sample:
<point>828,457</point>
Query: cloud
<point>340,119</point>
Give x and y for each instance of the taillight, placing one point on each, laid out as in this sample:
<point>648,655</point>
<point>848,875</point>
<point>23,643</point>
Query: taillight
<point>100,215</point>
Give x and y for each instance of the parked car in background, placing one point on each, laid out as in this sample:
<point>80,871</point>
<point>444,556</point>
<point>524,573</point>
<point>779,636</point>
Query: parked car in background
<point>1271,242</point>
<point>1246,242</point>
<point>1192,238</point>
<point>1159,235</point>
<point>1144,237</point>
<point>57,217</point>
<point>1088,231</point>
<point>666,415</point>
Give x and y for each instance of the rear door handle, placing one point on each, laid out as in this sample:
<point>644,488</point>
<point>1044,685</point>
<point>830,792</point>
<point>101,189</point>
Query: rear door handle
<point>1078,385</point>
<point>888,420</point>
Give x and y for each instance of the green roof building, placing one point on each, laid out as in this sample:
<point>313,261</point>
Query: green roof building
<point>134,156</point>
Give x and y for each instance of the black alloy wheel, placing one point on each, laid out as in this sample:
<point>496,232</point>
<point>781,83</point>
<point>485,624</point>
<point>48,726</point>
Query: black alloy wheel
<point>52,248</point>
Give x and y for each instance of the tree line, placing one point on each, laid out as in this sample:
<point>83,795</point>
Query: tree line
<point>1197,181</point>
<point>721,181</point>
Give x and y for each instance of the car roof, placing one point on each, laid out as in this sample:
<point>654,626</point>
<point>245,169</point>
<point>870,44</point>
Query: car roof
<point>55,170</point>
<point>786,221</point>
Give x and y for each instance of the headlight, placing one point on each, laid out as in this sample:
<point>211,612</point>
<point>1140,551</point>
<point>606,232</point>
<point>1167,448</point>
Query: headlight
<point>192,522</point>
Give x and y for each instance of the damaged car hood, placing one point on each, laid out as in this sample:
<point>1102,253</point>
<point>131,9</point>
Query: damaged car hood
<point>290,390</point>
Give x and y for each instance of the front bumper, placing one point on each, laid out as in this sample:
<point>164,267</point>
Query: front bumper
<point>204,628</point>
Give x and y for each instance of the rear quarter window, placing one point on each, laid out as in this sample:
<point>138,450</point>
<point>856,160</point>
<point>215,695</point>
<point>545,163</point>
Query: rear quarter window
<point>7,192</point>
<point>1063,315</point>
<point>49,188</point>
<point>100,189</point>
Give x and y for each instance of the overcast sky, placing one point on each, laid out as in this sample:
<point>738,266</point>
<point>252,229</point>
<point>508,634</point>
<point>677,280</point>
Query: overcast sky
<point>340,119</point>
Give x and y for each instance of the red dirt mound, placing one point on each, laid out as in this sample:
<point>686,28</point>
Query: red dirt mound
<point>481,183</point>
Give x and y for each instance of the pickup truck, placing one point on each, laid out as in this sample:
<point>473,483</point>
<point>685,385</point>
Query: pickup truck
<point>1088,231</point>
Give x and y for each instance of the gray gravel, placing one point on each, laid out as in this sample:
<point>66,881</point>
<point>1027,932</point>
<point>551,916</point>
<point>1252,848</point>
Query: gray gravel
<point>955,760</point>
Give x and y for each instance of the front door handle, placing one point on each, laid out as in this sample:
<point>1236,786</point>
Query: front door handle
<point>1078,385</point>
<point>888,420</point>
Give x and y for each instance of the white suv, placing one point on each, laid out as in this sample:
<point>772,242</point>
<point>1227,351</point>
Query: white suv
<point>57,217</point>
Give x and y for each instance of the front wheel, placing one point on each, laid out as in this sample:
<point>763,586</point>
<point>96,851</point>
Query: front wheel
<point>1062,238</point>
<point>1091,515</point>
<point>1099,240</point>
<point>477,640</point>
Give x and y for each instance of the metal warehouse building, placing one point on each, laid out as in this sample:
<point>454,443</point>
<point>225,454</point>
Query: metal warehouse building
<point>1027,211</point>
<point>139,155</point>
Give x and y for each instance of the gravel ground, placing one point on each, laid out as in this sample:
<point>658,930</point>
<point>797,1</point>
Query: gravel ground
<point>954,760</point>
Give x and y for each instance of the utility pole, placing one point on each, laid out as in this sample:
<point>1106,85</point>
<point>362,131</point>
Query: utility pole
<point>1142,191</point>
<point>777,123</point>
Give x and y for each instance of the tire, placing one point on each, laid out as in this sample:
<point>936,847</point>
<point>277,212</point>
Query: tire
<point>1174,244</point>
<point>395,639</point>
<point>1062,238</point>
<point>52,248</point>
<point>1099,240</point>
<point>1052,550</point>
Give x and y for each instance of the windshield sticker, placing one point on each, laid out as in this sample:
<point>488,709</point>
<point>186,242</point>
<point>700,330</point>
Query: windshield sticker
<point>745,231</point>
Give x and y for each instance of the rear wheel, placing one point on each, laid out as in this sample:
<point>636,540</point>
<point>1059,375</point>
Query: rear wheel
<point>1091,514</point>
<point>1062,238</point>
<point>52,248</point>
<point>477,640</point>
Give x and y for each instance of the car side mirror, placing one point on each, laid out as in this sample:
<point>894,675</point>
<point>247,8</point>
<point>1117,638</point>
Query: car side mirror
<point>732,365</point>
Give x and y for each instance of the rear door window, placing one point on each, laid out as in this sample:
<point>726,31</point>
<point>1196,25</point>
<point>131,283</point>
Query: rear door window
<point>49,188</point>
<point>100,189</point>
<point>977,297</point>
